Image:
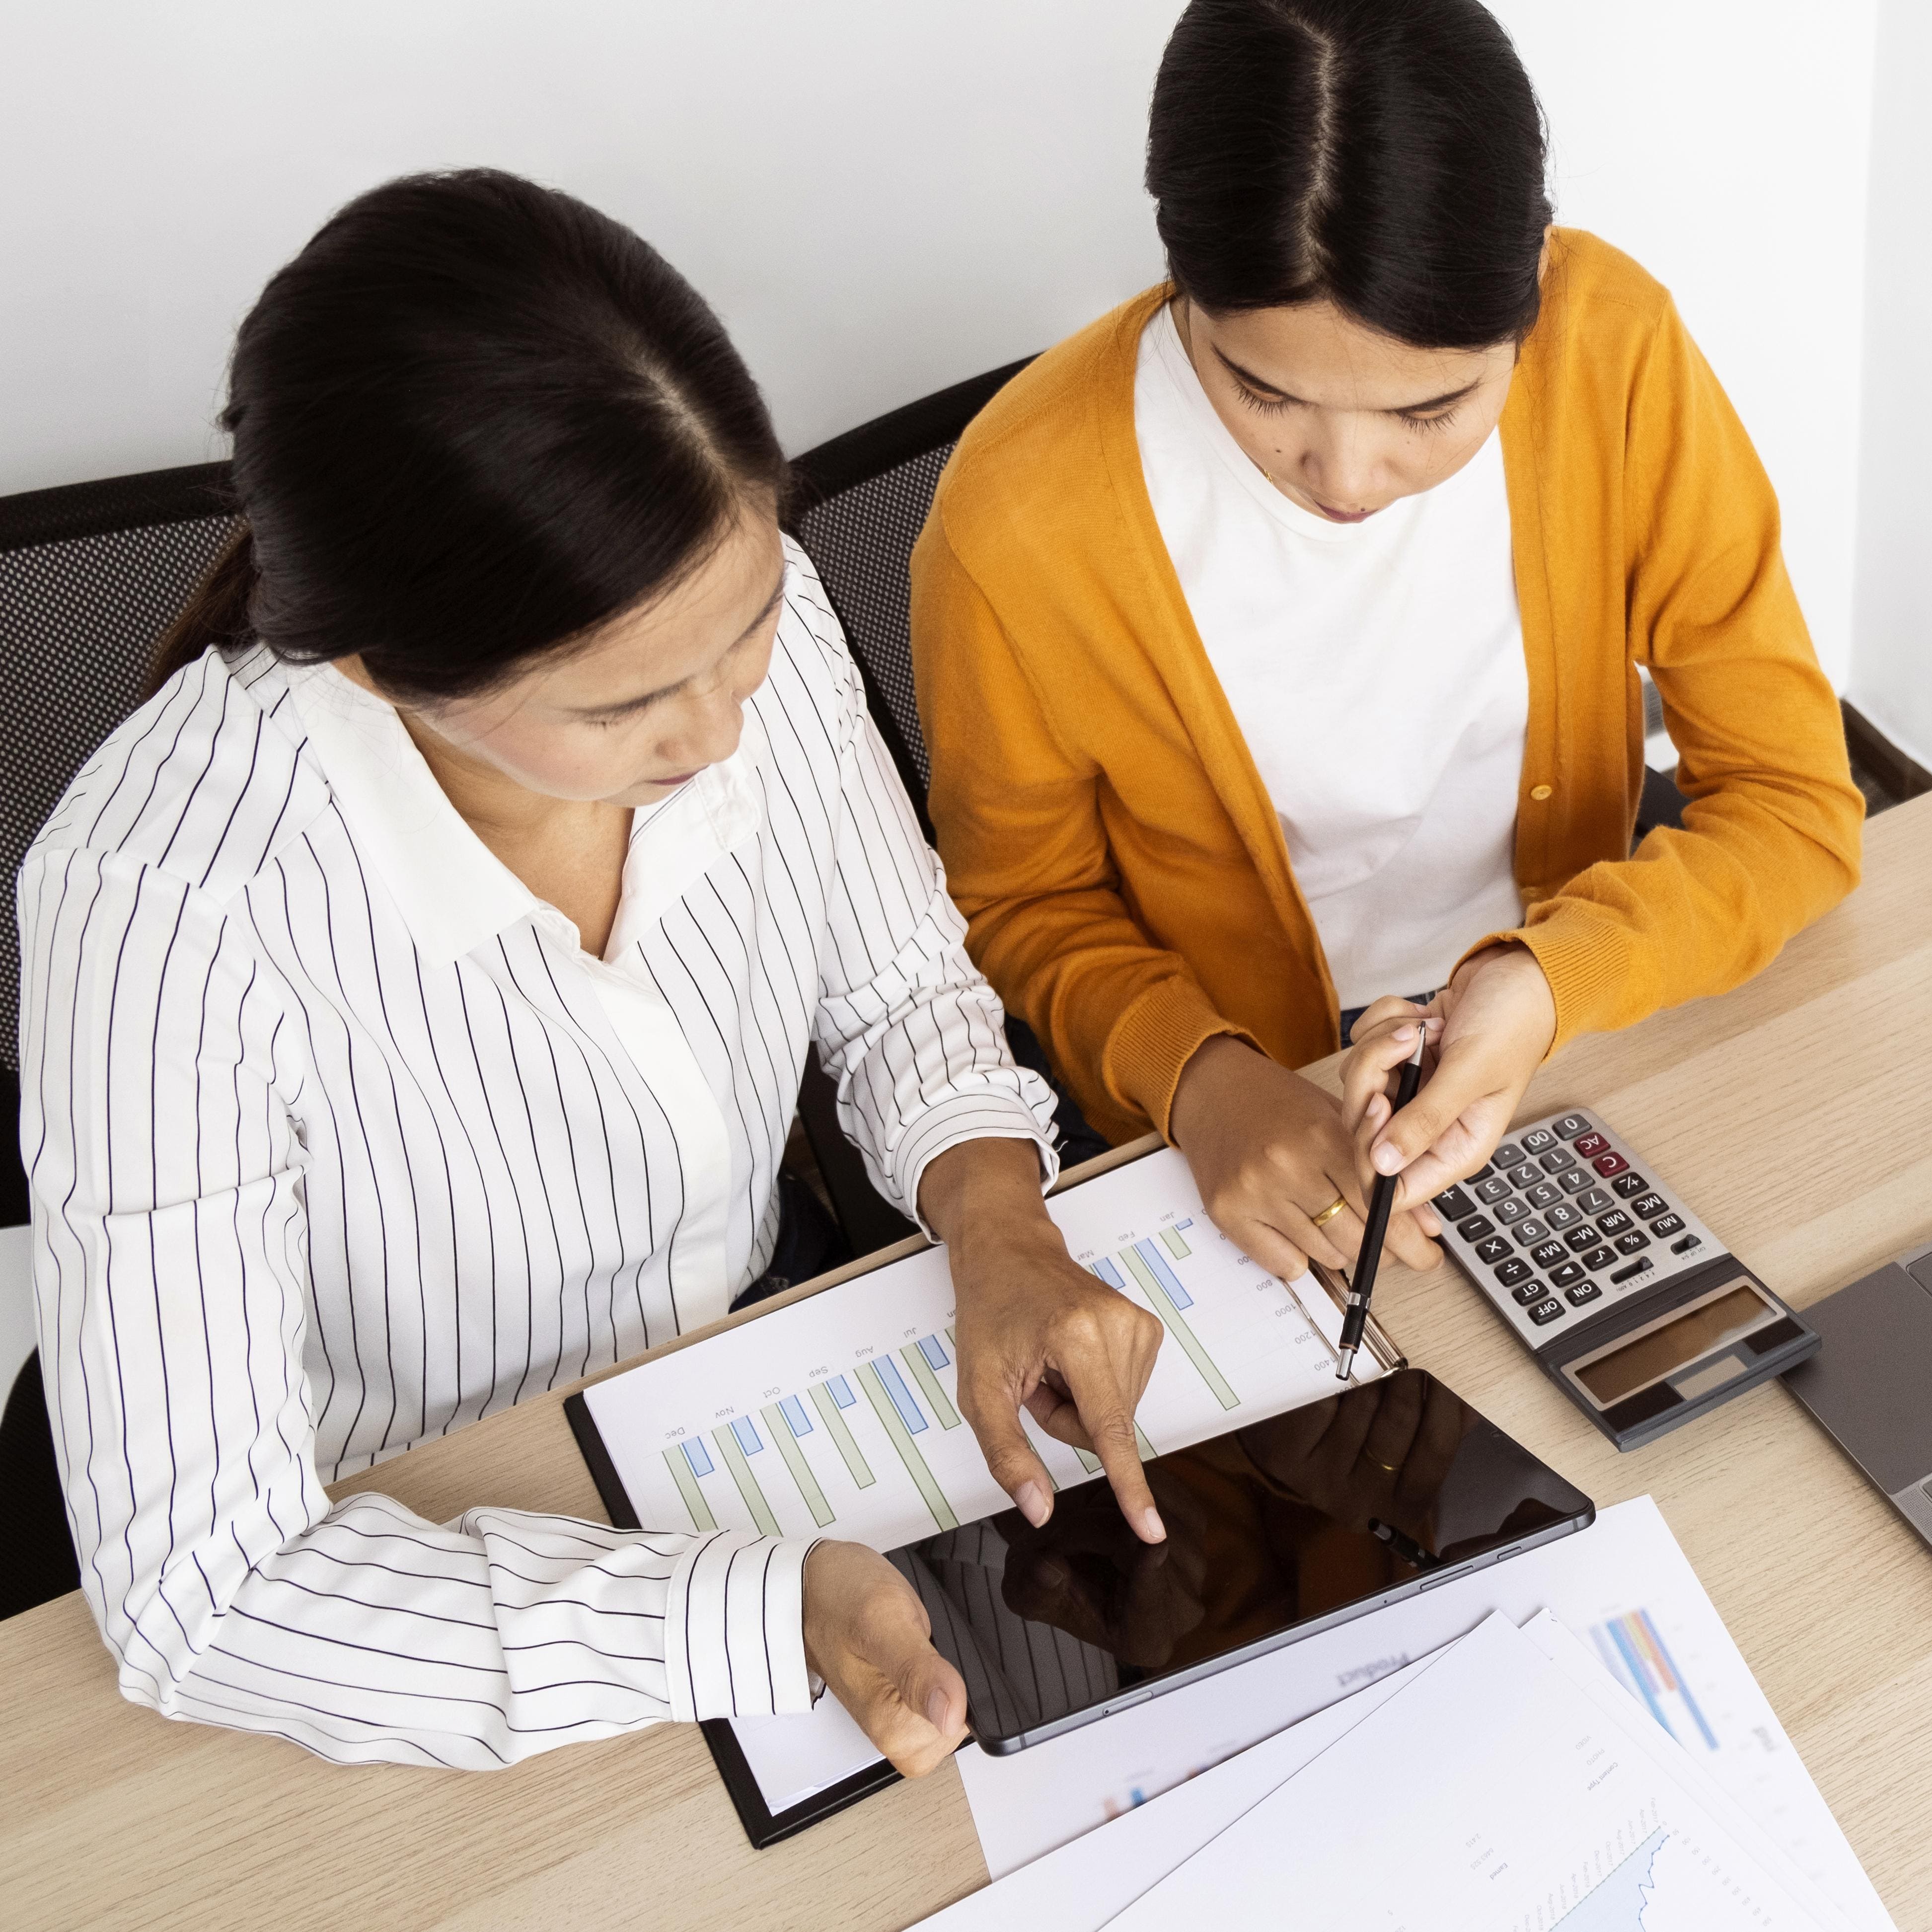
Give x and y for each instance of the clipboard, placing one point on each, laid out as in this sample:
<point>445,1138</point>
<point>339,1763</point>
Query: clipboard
<point>763,1826</point>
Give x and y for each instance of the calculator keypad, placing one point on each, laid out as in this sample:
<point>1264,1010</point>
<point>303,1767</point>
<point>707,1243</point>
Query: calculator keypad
<point>1561,1221</point>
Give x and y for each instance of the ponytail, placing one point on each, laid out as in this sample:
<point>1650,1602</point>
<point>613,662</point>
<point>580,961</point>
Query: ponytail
<point>217,614</point>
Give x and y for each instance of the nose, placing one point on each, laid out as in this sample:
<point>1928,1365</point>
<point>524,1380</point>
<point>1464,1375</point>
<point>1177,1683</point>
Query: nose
<point>1339,466</point>
<point>716,723</point>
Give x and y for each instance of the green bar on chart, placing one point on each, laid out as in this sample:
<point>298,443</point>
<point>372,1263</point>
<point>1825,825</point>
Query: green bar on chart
<point>1092,1464</point>
<point>936,1399</point>
<point>826,1403</point>
<point>1163,1306</point>
<point>701,1517</point>
<point>780,1432</point>
<point>894,1425</point>
<point>1176,1247</point>
<point>727,1440</point>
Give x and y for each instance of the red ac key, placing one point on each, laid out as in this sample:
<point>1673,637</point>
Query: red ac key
<point>1588,1144</point>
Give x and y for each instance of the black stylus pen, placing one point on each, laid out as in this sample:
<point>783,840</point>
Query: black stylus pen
<point>1382,1198</point>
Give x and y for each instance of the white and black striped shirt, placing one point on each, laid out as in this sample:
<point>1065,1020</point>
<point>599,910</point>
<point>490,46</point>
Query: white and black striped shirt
<point>338,1140</point>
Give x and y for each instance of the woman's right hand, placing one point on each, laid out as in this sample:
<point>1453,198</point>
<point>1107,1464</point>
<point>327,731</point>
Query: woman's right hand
<point>1269,1151</point>
<point>868,1635</point>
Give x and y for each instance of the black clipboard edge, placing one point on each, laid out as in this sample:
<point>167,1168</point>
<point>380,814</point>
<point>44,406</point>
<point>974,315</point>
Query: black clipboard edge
<point>764,1827</point>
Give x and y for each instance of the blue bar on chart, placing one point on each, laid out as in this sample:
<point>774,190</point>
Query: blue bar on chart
<point>694,1454</point>
<point>842,1390</point>
<point>911,1414</point>
<point>1156,1262</point>
<point>794,1412</point>
<point>934,1350</point>
<point>1110,1274</point>
<point>748,1438</point>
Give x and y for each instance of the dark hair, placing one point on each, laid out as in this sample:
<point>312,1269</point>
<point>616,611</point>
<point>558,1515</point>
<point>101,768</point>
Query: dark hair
<point>472,419</point>
<point>1385,155</point>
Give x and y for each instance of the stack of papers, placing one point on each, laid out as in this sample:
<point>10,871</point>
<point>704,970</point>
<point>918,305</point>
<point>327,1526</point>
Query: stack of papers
<point>1598,1767</point>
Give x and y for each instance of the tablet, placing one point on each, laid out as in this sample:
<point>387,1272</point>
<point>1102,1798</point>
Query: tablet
<point>1280,1530</point>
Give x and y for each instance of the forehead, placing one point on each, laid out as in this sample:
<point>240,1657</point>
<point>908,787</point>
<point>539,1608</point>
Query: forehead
<point>678,635</point>
<point>1316,352</point>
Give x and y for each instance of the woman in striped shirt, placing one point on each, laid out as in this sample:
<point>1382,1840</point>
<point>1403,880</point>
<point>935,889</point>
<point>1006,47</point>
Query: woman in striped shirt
<point>416,993</point>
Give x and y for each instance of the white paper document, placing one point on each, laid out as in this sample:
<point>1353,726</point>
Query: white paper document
<point>1623,1587</point>
<point>839,1416</point>
<point>1489,1793</point>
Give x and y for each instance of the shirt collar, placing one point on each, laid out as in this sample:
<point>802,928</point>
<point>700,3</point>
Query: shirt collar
<point>454,892</point>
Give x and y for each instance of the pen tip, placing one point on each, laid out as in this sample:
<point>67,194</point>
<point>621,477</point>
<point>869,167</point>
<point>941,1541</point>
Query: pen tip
<point>1348,1362</point>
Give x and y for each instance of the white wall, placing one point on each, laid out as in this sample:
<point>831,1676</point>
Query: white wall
<point>881,197</point>
<point>1725,144</point>
<point>1892,662</point>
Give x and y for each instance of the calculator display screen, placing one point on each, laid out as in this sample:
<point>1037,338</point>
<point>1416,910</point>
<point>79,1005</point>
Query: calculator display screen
<point>1659,1351</point>
<point>1300,1520</point>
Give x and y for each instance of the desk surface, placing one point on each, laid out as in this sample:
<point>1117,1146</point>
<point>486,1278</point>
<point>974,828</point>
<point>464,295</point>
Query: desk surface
<point>1796,1114</point>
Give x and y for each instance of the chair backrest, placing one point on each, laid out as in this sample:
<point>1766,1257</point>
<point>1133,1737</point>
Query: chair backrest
<point>863,501</point>
<point>91,577</point>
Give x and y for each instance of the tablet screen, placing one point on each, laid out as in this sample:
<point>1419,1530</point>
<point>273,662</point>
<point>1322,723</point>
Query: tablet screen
<point>1279,1529</point>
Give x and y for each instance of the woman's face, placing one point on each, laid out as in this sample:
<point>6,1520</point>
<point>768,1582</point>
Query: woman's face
<point>651,698</point>
<point>1344,421</point>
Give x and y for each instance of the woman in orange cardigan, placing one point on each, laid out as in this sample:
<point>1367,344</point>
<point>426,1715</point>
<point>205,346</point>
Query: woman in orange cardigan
<point>1277,636</point>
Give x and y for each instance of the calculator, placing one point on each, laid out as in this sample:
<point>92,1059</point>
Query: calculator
<point>1632,1305</point>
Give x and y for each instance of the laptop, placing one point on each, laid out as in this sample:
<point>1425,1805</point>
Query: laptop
<point>1870,1384</point>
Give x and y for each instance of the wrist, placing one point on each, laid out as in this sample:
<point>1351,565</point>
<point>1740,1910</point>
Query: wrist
<point>989,1186</point>
<point>1201,1080</point>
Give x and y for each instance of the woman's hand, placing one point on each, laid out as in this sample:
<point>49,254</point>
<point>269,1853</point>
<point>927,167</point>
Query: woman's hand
<point>868,1635</point>
<point>1269,1151</point>
<point>1497,1018</point>
<point>1036,1330</point>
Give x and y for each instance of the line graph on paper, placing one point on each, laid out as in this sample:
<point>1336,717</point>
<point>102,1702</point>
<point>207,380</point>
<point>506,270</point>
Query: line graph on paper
<point>841,1415</point>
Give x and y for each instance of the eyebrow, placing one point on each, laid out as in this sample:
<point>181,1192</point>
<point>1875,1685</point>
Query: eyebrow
<point>625,705</point>
<point>1423,408</point>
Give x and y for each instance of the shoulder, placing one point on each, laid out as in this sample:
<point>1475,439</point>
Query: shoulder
<point>1043,440</point>
<point>1600,309</point>
<point>204,782</point>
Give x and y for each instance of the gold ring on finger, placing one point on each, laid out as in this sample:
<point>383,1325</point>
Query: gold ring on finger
<point>1329,1213</point>
<point>1389,1469</point>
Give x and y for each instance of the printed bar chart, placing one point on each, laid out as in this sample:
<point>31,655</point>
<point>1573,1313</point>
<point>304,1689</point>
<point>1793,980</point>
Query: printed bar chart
<point>1634,1648</point>
<point>841,1413</point>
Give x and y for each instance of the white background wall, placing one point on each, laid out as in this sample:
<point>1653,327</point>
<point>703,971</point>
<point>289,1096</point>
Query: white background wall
<point>882,197</point>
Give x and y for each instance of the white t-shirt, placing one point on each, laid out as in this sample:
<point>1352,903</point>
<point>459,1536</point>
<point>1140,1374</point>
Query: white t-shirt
<point>1376,671</point>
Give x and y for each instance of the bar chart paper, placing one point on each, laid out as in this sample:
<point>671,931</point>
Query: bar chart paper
<point>839,1416</point>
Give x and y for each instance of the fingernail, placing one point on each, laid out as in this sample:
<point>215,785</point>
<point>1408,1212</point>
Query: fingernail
<point>937,1709</point>
<point>1388,1158</point>
<point>1033,1503</point>
<point>1153,1530</point>
<point>1405,1032</point>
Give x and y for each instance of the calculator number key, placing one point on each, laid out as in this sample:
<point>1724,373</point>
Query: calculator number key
<point>1598,1259</point>
<point>1543,1194</point>
<point>1511,1210</point>
<point>1592,1143</point>
<point>1546,1311</point>
<point>1556,1161</point>
<point>1594,1202</point>
<point>1633,1243</point>
<point>1608,1164</point>
<point>1538,1140</point>
<point>1574,1180</point>
<point>1652,1205</point>
<point>1616,1222</point>
<point>1475,1229</point>
<point>1628,1184</point>
<point>1527,1175</point>
<point>1514,1270</point>
<point>1562,1215</point>
<point>1571,1126</point>
<point>1528,1233</point>
<point>1665,1225</point>
<point>1491,1191</point>
<point>1567,1276</point>
<point>1549,1254</point>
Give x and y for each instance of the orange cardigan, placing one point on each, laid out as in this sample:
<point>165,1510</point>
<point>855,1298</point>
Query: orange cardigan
<point>1104,831</point>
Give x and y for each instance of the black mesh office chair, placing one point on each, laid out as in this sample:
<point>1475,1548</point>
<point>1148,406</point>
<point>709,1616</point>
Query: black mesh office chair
<point>91,576</point>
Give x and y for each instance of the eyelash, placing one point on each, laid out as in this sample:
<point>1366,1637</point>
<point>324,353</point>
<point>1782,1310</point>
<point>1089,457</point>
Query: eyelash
<point>1273,407</point>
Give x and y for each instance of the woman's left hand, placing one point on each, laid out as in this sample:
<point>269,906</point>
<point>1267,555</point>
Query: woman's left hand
<point>1036,1330</point>
<point>1495,1021</point>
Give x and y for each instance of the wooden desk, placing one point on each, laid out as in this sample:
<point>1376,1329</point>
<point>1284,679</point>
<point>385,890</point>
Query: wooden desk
<point>1795,1113</point>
